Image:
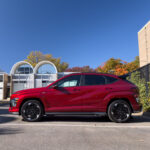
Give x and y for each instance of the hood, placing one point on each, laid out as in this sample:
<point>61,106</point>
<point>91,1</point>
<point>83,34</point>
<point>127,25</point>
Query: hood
<point>34,90</point>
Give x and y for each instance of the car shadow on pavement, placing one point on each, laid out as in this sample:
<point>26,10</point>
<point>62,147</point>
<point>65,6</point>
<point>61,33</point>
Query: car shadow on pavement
<point>4,111</point>
<point>75,119</point>
<point>134,119</point>
<point>139,119</point>
<point>5,131</point>
<point>7,119</point>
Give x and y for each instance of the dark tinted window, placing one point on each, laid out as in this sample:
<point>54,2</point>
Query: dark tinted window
<point>1,78</point>
<point>70,81</point>
<point>110,79</point>
<point>94,80</point>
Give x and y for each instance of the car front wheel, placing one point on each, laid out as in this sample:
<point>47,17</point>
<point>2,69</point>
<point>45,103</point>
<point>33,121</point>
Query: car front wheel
<point>119,111</point>
<point>31,111</point>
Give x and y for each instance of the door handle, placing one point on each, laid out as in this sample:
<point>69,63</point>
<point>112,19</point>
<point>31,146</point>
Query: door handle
<point>76,90</point>
<point>109,88</point>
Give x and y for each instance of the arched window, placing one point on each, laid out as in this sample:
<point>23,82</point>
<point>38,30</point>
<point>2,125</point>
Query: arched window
<point>46,69</point>
<point>24,69</point>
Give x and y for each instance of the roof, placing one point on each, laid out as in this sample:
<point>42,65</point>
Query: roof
<point>92,73</point>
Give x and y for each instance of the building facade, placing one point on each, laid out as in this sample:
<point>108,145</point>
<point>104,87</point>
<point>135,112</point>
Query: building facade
<point>24,76</point>
<point>4,86</point>
<point>144,44</point>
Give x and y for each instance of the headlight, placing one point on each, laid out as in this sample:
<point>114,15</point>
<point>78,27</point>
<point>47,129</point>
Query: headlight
<point>14,101</point>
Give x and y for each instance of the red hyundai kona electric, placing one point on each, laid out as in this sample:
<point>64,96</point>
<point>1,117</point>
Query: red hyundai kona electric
<point>79,94</point>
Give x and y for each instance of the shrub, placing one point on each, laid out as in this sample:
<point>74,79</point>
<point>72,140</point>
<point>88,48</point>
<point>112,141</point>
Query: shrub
<point>141,84</point>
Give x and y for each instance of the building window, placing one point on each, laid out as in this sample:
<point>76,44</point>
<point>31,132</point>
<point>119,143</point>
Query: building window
<point>24,69</point>
<point>1,78</point>
<point>46,69</point>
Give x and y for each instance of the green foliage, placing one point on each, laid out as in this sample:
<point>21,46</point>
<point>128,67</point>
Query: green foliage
<point>141,84</point>
<point>36,56</point>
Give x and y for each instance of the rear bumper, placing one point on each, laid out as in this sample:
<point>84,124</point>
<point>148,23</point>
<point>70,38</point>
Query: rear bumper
<point>137,108</point>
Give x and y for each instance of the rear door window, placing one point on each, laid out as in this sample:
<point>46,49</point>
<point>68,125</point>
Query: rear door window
<point>94,80</point>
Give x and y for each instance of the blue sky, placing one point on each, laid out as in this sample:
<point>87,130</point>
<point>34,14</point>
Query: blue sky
<point>81,32</point>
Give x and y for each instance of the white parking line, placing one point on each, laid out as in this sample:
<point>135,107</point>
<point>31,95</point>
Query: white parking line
<point>73,125</point>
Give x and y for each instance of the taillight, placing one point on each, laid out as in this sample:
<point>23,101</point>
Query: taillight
<point>136,93</point>
<point>135,90</point>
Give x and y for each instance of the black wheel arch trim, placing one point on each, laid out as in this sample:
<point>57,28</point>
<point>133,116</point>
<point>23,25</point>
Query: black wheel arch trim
<point>114,99</point>
<point>27,99</point>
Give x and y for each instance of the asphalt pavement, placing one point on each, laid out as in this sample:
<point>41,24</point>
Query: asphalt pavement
<point>73,133</point>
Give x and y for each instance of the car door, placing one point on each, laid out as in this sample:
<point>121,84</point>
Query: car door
<point>94,90</point>
<point>64,95</point>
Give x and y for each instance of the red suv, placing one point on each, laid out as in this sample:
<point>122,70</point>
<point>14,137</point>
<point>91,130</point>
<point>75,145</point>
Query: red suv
<point>79,94</point>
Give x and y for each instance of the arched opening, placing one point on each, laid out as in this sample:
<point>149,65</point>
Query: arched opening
<point>46,69</point>
<point>45,73</point>
<point>22,76</point>
<point>24,69</point>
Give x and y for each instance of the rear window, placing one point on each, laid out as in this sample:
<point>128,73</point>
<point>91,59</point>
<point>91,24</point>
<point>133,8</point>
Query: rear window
<point>110,80</point>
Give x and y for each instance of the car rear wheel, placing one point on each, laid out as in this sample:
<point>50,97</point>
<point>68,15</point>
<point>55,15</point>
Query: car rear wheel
<point>119,111</point>
<point>32,111</point>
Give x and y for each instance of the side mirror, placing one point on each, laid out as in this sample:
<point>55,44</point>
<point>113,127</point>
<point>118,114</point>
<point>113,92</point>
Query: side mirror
<point>55,86</point>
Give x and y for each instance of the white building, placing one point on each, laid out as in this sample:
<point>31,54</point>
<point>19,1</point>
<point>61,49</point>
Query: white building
<point>24,76</point>
<point>144,45</point>
<point>3,85</point>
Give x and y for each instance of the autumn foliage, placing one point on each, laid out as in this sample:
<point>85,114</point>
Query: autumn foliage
<point>118,66</point>
<point>80,69</point>
<point>113,66</point>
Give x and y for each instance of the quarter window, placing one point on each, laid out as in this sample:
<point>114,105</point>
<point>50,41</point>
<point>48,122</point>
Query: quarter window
<point>110,79</point>
<point>94,80</point>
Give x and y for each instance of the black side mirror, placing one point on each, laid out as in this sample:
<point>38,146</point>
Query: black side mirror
<point>55,86</point>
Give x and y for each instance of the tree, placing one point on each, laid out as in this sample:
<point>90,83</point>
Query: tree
<point>36,56</point>
<point>118,66</point>
<point>109,66</point>
<point>80,69</point>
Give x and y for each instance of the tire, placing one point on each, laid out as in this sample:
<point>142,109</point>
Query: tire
<point>119,111</point>
<point>32,111</point>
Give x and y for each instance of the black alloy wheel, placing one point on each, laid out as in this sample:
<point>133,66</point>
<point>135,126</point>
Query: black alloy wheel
<point>119,111</point>
<point>32,111</point>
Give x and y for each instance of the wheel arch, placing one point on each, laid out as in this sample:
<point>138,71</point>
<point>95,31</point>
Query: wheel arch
<point>27,99</point>
<point>114,99</point>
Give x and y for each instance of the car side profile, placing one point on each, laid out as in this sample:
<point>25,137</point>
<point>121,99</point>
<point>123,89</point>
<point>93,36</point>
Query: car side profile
<point>79,94</point>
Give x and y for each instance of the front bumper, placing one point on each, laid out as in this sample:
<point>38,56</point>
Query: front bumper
<point>13,109</point>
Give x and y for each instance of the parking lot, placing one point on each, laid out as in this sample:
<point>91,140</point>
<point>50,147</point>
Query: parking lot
<point>72,133</point>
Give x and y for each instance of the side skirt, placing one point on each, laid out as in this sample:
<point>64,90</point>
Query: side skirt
<point>76,113</point>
